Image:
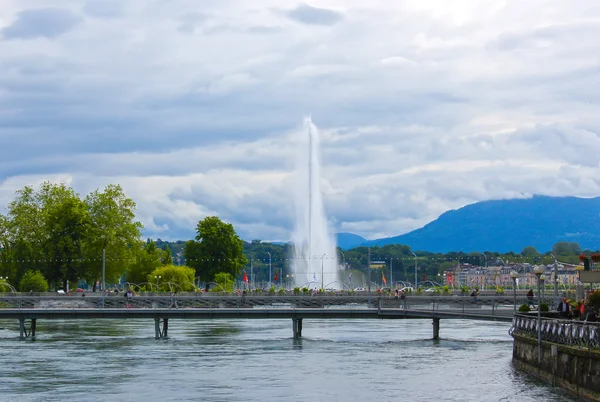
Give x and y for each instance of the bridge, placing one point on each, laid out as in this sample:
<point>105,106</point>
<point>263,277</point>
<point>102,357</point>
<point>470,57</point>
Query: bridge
<point>28,309</point>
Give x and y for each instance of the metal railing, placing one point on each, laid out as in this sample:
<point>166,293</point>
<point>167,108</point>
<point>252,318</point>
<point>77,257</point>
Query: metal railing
<point>565,332</point>
<point>484,305</point>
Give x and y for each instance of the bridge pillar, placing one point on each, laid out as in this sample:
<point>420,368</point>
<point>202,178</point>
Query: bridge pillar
<point>22,331</point>
<point>158,331</point>
<point>436,329</point>
<point>297,327</point>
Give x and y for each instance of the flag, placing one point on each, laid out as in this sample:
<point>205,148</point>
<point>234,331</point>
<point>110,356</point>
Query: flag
<point>276,276</point>
<point>450,279</point>
<point>383,278</point>
<point>424,277</point>
<point>245,277</point>
<point>350,276</point>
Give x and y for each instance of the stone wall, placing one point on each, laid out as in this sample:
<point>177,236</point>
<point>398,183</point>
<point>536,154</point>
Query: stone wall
<point>574,369</point>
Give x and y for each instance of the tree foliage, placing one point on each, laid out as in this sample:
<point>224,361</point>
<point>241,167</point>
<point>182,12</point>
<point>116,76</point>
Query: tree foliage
<point>217,248</point>
<point>53,230</point>
<point>147,260</point>
<point>173,278</point>
<point>33,281</point>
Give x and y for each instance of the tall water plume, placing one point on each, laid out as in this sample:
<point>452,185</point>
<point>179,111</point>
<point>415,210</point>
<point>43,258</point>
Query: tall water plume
<point>315,255</point>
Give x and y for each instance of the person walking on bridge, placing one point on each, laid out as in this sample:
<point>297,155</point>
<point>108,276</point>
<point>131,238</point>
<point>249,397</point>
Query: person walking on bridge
<point>173,300</point>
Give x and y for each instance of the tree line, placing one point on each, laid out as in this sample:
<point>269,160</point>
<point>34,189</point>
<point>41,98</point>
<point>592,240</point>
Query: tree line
<point>60,236</point>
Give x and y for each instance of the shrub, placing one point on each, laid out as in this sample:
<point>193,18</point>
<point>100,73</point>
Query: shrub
<point>281,291</point>
<point>594,299</point>
<point>296,290</point>
<point>544,307</point>
<point>445,289</point>
<point>499,290</point>
<point>33,281</point>
<point>272,290</point>
<point>464,289</point>
<point>524,308</point>
<point>181,278</point>
<point>305,290</point>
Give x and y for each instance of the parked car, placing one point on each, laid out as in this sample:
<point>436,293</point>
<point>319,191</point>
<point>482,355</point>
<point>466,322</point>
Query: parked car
<point>360,290</point>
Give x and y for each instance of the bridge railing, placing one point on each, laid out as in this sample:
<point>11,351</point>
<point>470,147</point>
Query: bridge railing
<point>565,332</point>
<point>486,305</point>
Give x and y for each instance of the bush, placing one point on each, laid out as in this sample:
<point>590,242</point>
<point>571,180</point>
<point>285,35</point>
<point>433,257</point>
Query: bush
<point>594,299</point>
<point>524,308</point>
<point>499,290</point>
<point>33,281</point>
<point>464,289</point>
<point>178,278</point>
<point>296,290</point>
<point>544,307</point>
<point>305,290</point>
<point>281,291</point>
<point>445,289</point>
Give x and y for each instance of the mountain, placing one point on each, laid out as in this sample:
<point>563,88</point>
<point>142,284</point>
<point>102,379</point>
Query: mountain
<point>349,240</point>
<point>508,225</point>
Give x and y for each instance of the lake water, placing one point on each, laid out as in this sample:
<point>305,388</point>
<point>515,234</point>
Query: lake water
<point>257,360</point>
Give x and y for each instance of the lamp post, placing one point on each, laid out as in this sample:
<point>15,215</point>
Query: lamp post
<point>157,278</point>
<point>269,269</point>
<point>322,276</point>
<point>542,282</point>
<point>483,254</point>
<point>514,275</point>
<point>556,300</point>
<point>343,260</point>
<point>538,270</point>
<point>415,270</point>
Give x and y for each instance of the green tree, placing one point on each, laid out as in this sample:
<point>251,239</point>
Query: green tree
<point>225,282</point>
<point>167,257</point>
<point>114,229</point>
<point>529,251</point>
<point>217,248</point>
<point>33,281</point>
<point>147,260</point>
<point>66,221</point>
<point>565,249</point>
<point>173,278</point>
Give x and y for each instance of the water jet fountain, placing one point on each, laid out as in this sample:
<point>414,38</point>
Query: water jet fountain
<point>315,254</point>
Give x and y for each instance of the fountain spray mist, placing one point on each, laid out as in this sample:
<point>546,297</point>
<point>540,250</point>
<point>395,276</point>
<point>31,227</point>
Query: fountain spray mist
<point>315,255</point>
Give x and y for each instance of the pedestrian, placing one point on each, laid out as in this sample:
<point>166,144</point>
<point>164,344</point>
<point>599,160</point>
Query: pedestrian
<point>530,297</point>
<point>173,301</point>
<point>563,308</point>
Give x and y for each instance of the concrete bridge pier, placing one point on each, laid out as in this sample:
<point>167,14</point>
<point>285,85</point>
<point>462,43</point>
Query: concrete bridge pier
<point>297,327</point>
<point>436,329</point>
<point>24,331</point>
<point>161,332</point>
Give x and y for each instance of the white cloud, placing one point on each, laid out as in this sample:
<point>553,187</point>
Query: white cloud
<point>423,106</point>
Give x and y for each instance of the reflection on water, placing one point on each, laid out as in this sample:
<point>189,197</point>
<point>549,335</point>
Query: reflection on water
<point>257,360</point>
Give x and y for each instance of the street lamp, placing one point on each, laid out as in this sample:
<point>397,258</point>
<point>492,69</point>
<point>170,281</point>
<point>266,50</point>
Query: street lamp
<point>322,276</point>
<point>343,260</point>
<point>514,275</point>
<point>269,269</point>
<point>542,281</point>
<point>157,278</point>
<point>483,254</point>
<point>538,270</point>
<point>415,270</point>
<point>556,300</point>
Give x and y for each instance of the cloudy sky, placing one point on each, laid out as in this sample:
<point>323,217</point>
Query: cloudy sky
<point>195,106</point>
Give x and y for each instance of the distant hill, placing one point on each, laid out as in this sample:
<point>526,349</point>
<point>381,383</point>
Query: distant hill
<point>508,225</point>
<point>349,240</point>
